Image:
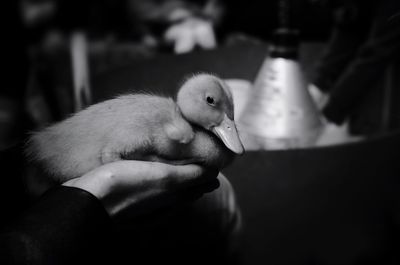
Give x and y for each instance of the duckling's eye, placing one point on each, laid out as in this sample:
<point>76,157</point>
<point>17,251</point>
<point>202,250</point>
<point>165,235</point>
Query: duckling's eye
<point>210,100</point>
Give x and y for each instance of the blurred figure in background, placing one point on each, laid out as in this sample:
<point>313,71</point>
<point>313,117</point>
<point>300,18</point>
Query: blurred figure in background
<point>183,24</point>
<point>351,81</point>
<point>152,23</point>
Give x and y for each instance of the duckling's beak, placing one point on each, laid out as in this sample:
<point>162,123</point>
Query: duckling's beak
<point>228,133</point>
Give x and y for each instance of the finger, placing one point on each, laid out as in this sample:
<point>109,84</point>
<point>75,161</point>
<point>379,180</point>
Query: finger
<point>209,186</point>
<point>211,173</point>
<point>156,174</point>
<point>185,175</point>
<point>197,192</point>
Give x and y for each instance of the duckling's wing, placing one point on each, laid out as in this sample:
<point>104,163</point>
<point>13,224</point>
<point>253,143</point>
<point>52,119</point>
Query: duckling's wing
<point>178,129</point>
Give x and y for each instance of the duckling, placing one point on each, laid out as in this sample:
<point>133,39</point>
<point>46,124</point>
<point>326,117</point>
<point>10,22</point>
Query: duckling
<point>198,128</point>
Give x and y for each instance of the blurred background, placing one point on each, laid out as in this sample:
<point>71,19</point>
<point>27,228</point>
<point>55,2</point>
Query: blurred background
<point>40,36</point>
<point>319,205</point>
<point>55,46</point>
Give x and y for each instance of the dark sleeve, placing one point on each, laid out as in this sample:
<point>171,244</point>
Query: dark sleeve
<point>65,226</point>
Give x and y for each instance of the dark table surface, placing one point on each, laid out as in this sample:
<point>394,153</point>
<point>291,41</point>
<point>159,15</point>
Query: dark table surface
<point>330,205</point>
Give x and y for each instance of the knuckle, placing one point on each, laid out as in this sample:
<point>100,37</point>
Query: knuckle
<point>107,176</point>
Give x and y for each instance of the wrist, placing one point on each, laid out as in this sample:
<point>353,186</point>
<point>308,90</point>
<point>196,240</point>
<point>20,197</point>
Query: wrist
<point>98,184</point>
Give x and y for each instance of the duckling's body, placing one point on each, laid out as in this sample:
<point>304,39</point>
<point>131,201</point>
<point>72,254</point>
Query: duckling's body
<point>136,126</point>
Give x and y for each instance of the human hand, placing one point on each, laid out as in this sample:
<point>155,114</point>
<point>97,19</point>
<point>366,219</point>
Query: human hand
<point>129,184</point>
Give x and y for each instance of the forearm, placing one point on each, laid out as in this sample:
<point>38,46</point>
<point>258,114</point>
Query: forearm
<point>58,229</point>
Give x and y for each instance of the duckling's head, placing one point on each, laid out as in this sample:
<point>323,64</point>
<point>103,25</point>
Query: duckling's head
<point>206,100</point>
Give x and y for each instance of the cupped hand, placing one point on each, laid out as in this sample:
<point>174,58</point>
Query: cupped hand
<point>126,184</point>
